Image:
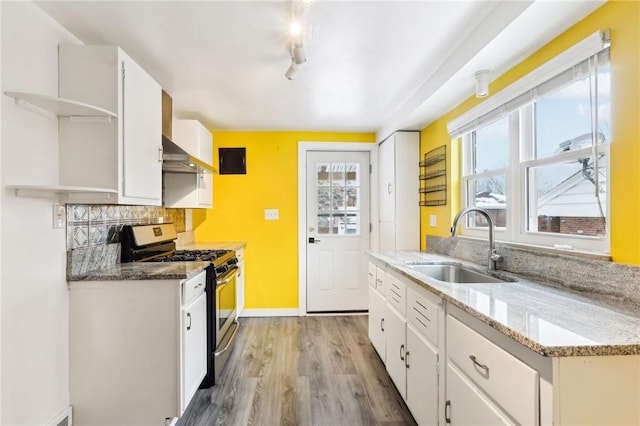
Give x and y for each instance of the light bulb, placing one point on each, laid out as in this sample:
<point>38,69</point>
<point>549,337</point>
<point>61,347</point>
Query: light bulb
<point>295,29</point>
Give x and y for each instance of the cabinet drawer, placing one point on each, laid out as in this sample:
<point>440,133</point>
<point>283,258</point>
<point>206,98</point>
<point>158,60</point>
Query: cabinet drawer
<point>423,313</point>
<point>396,292</point>
<point>507,380</point>
<point>381,277</point>
<point>372,275</point>
<point>193,287</point>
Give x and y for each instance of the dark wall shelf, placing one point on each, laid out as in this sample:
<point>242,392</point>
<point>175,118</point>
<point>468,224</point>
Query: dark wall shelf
<point>433,178</point>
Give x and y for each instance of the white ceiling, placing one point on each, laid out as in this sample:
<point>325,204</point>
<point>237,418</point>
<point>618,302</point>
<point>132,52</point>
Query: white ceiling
<point>373,66</point>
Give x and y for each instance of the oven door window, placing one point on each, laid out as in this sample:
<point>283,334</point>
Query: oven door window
<point>226,304</point>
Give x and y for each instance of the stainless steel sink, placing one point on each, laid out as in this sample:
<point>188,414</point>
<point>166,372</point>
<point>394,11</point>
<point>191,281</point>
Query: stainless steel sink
<point>455,274</point>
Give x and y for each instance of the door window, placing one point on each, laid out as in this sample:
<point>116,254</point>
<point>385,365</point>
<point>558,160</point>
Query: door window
<point>338,198</point>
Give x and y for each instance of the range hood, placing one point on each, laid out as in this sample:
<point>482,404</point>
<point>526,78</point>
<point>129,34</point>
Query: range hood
<point>174,158</point>
<point>177,160</point>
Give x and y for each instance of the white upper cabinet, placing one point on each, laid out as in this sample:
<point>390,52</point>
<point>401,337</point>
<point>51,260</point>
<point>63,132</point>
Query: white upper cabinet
<point>125,153</point>
<point>194,138</point>
<point>398,191</point>
<point>188,190</point>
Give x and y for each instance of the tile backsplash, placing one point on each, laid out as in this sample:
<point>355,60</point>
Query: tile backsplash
<point>96,225</point>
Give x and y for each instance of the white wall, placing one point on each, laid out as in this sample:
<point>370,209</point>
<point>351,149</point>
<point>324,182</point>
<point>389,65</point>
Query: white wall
<point>34,309</point>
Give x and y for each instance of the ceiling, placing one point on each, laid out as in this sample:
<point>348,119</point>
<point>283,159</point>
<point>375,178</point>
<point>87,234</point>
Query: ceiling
<point>372,66</point>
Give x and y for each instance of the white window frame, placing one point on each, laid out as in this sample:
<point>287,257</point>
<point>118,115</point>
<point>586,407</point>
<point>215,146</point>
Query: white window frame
<point>521,156</point>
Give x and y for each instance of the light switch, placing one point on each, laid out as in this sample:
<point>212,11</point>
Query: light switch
<point>270,214</point>
<point>433,220</point>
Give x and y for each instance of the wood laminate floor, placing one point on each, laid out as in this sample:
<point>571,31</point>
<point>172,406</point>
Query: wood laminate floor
<point>314,370</point>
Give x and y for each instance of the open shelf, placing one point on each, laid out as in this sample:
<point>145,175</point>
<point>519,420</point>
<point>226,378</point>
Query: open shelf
<point>52,106</point>
<point>65,193</point>
<point>433,177</point>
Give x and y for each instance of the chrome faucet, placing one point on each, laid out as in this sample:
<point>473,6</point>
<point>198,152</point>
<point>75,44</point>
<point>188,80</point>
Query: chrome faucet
<point>494,256</point>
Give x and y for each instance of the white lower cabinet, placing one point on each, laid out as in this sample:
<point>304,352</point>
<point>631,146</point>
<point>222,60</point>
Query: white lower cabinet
<point>410,353</point>
<point>466,405</point>
<point>137,349</point>
<point>422,378</point>
<point>396,338</point>
<point>194,347</point>
<point>240,282</point>
<point>377,306</point>
<point>503,378</point>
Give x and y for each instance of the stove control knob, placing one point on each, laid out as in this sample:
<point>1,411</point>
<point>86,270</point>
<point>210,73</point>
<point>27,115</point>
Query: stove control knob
<point>232,261</point>
<point>222,269</point>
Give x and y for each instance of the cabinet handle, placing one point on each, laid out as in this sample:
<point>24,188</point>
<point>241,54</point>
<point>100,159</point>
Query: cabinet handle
<point>160,151</point>
<point>406,359</point>
<point>402,352</point>
<point>382,324</point>
<point>189,319</point>
<point>482,366</point>
<point>447,412</point>
<point>389,188</point>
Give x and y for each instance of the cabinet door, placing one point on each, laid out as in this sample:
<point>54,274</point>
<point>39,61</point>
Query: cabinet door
<point>205,190</point>
<point>240,282</point>
<point>386,154</point>
<point>194,342</point>
<point>395,335</point>
<point>466,405</point>
<point>376,322</point>
<point>422,378</point>
<point>141,134</point>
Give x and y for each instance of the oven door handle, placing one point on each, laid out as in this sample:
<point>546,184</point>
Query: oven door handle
<point>230,341</point>
<point>228,277</point>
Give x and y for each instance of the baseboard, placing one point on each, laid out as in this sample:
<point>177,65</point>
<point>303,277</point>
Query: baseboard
<point>64,418</point>
<point>249,313</point>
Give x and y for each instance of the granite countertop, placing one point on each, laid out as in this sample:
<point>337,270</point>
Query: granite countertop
<point>144,271</point>
<point>549,320</point>
<point>215,245</point>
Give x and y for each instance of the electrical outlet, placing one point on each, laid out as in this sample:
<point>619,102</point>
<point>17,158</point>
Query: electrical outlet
<point>433,220</point>
<point>59,215</point>
<point>270,214</point>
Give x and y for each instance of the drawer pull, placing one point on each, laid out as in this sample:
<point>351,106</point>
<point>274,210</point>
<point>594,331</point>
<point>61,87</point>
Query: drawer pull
<point>406,359</point>
<point>381,324</point>
<point>482,366</point>
<point>402,352</point>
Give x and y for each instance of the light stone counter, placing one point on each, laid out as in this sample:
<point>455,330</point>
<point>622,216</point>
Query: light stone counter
<point>551,321</point>
<point>143,271</point>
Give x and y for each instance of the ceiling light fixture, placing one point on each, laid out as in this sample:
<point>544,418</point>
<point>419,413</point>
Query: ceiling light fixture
<point>298,54</point>
<point>295,46</point>
<point>482,83</point>
<point>292,72</point>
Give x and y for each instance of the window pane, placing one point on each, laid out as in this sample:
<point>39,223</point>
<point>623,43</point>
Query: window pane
<point>323,223</point>
<point>323,199</point>
<point>563,118</point>
<point>491,146</point>
<point>490,195</point>
<point>337,196</point>
<point>323,174</point>
<point>337,174</point>
<point>562,198</point>
<point>353,201</point>
<point>353,174</point>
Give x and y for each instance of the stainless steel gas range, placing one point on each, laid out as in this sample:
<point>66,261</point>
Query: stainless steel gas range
<point>156,243</point>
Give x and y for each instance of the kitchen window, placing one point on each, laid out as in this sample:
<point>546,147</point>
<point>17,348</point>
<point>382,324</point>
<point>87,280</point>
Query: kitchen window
<point>538,161</point>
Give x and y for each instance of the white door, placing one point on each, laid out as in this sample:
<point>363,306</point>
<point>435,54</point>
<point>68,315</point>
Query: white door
<point>338,230</point>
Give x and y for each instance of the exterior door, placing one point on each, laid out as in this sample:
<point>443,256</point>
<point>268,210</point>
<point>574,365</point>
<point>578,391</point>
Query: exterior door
<point>338,230</point>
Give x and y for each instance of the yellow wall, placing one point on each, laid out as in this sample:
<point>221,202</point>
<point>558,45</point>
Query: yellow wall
<point>238,211</point>
<point>623,19</point>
